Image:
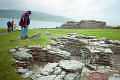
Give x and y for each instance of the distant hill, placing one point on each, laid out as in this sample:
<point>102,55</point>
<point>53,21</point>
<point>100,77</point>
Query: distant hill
<point>35,15</point>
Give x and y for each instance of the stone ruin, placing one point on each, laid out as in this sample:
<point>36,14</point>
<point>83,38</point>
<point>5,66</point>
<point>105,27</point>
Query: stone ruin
<point>71,57</point>
<point>84,24</point>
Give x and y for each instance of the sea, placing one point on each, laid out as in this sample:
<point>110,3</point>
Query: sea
<point>33,23</point>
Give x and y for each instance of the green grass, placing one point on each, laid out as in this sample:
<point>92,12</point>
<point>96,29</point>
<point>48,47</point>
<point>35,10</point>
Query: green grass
<point>2,30</point>
<point>7,71</point>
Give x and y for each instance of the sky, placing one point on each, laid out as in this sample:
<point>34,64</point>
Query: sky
<point>105,10</point>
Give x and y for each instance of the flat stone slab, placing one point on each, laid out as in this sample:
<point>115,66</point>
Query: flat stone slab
<point>50,77</point>
<point>72,76</point>
<point>71,65</point>
<point>62,53</point>
<point>22,55</point>
<point>49,68</point>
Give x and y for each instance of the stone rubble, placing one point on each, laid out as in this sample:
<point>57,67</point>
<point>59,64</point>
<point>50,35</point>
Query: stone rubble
<point>59,71</point>
<point>66,57</point>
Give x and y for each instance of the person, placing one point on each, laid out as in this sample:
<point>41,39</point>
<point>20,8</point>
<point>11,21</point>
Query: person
<point>9,26</point>
<point>13,25</point>
<point>24,22</point>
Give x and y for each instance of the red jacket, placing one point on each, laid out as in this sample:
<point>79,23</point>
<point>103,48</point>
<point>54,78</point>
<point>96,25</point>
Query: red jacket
<point>24,21</point>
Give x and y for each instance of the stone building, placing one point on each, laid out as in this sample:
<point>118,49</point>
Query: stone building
<point>84,24</point>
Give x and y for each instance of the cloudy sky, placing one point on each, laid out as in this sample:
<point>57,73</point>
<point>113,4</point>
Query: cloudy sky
<point>106,10</point>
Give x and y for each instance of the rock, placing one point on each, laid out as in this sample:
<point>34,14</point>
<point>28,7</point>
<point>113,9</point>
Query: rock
<point>72,76</point>
<point>63,73</point>
<point>47,33</point>
<point>23,49</point>
<point>72,39</point>
<point>90,67</point>
<point>88,37</point>
<point>117,42</point>
<point>22,71</point>
<point>72,35</point>
<point>108,50</point>
<point>35,76</point>
<point>59,52</point>
<point>27,74</point>
<point>59,77</point>
<point>104,69</point>
<point>24,64</point>
<point>12,50</point>
<point>94,51</point>
<point>114,77</point>
<point>22,55</point>
<point>34,46</point>
<point>71,65</point>
<point>99,49</point>
<point>49,68</point>
<point>83,41</point>
<point>57,70</point>
<point>50,77</point>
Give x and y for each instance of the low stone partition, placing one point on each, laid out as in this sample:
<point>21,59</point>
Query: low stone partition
<point>49,55</point>
<point>39,54</point>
